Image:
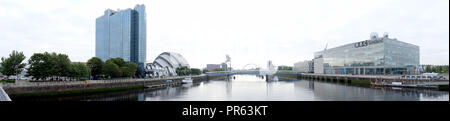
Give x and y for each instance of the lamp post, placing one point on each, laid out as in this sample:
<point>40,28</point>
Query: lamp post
<point>90,72</point>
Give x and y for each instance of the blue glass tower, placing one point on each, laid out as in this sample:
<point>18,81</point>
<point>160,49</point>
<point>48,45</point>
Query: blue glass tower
<point>122,33</point>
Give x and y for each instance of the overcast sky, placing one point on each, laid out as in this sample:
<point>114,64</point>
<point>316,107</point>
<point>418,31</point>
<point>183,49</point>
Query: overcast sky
<point>250,31</point>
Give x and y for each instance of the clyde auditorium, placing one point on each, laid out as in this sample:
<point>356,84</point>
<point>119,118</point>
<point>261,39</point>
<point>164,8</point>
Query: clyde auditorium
<point>165,65</point>
<point>378,55</point>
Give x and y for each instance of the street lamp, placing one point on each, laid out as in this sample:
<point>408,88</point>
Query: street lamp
<point>90,72</point>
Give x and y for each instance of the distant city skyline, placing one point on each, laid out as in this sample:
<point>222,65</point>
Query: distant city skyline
<point>253,31</point>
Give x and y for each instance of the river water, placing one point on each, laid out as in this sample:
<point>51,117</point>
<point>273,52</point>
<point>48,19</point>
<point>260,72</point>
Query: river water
<point>259,88</point>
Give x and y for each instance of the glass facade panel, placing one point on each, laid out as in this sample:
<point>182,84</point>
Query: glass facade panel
<point>122,34</point>
<point>375,56</point>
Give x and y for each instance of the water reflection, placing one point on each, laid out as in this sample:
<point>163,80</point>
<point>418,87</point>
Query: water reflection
<point>267,88</point>
<point>264,88</point>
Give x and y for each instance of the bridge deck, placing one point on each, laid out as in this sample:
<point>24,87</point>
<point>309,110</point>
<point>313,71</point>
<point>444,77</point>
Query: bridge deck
<point>253,72</point>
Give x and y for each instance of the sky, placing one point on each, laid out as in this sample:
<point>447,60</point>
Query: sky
<point>249,31</point>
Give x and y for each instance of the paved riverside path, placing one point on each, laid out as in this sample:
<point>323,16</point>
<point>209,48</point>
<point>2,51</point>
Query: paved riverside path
<point>3,95</point>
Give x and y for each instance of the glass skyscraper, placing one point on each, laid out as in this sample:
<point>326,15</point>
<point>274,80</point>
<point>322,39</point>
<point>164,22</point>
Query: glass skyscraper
<point>378,55</point>
<point>122,33</point>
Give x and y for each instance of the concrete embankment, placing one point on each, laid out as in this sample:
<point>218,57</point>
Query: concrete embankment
<point>90,86</point>
<point>380,80</point>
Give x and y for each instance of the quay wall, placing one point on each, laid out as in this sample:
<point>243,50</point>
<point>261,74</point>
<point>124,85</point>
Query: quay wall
<point>48,87</point>
<point>378,80</point>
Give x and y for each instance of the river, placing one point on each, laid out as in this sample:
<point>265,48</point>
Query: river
<point>258,88</point>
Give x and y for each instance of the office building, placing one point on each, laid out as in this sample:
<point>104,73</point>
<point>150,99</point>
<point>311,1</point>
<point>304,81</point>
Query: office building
<point>306,66</point>
<point>122,33</point>
<point>378,55</point>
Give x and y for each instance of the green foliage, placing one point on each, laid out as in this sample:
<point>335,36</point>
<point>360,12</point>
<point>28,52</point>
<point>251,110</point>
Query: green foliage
<point>108,68</point>
<point>78,70</point>
<point>118,61</point>
<point>126,72</point>
<point>205,70</point>
<point>126,69</point>
<point>62,65</point>
<point>111,70</point>
<point>45,65</point>
<point>39,68</point>
<point>436,68</point>
<point>129,69</point>
<point>53,66</point>
<point>196,71</point>
<point>96,66</point>
<point>183,71</point>
<point>219,69</point>
<point>13,64</point>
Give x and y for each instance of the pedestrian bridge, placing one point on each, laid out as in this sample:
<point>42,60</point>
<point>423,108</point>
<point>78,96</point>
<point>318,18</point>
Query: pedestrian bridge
<point>251,72</point>
<point>3,95</point>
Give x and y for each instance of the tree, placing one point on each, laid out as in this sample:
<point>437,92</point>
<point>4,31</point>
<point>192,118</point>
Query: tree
<point>118,61</point>
<point>182,71</point>
<point>126,72</point>
<point>196,71</point>
<point>96,66</point>
<point>78,70</point>
<point>110,69</point>
<point>428,68</point>
<point>205,70</point>
<point>48,65</point>
<point>39,66</point>
<point>62,65</point>
<point>129,69</point>
<point>13,65</point>
<point>51,65</point>
<point>445,69</point>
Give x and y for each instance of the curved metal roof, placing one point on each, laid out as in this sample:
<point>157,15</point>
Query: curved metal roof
<point>170,59</point>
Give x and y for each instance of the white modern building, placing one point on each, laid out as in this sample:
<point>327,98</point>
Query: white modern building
<point>165,65</point>
<point>211,67</point>
<point>377,55</point>
<point>306,66</point>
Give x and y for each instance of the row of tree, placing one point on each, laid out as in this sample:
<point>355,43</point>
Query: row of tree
<point>53,66</point>
<point>436,68</point>
<point>114,67</point>
<point>184,71</point>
